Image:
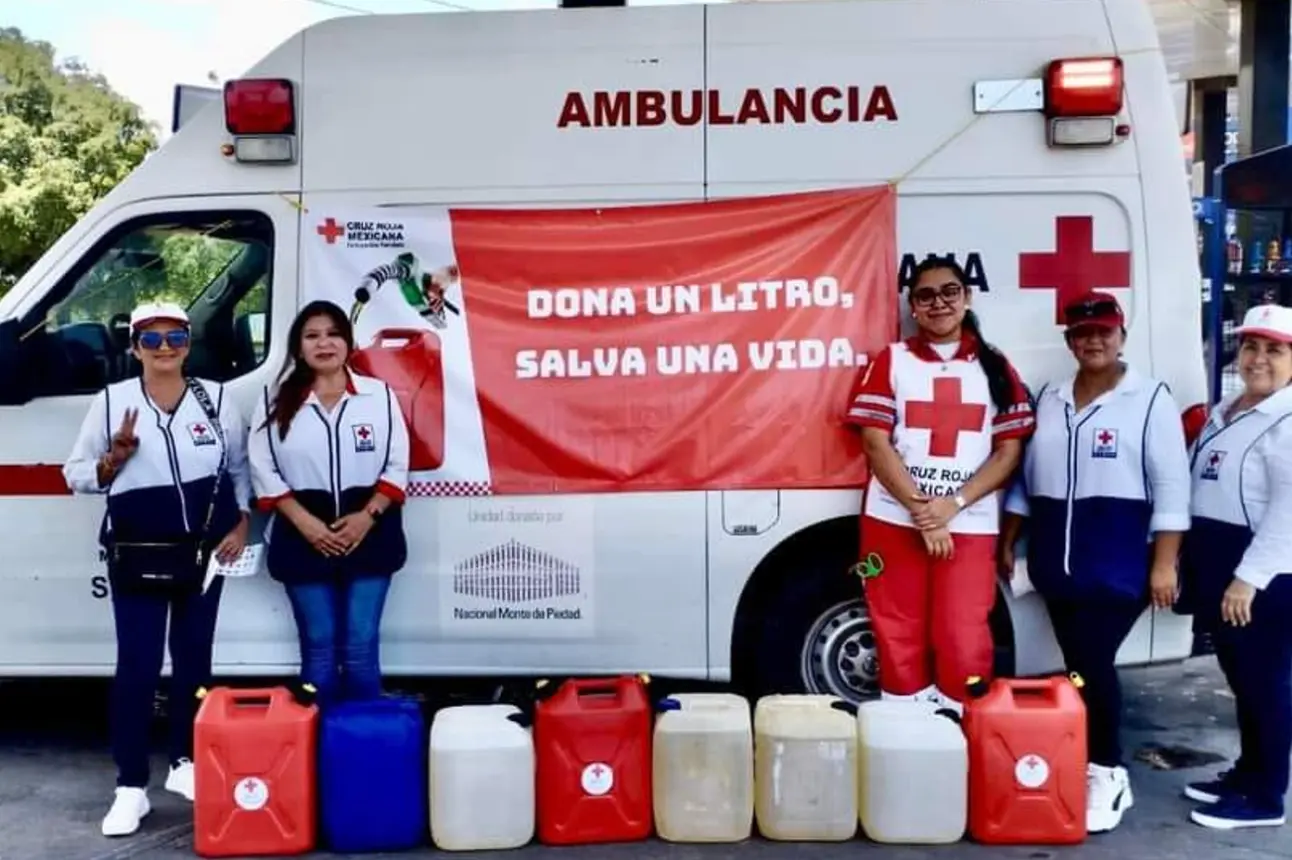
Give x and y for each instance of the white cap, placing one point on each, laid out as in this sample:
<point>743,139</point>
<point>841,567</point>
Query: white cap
<point>152,311</point>
<point>1271,321</point>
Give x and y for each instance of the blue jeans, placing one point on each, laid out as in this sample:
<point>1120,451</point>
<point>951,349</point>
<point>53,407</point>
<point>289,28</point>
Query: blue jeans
<point>339,626</point>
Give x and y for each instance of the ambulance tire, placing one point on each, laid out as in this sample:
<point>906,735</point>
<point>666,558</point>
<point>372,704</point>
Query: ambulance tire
<point>802,626</point>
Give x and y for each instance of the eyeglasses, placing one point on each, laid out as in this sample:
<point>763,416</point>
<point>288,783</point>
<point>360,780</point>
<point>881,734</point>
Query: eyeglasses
<point>1094,309</point>
<point>175,339</point>
<point>925,296</point>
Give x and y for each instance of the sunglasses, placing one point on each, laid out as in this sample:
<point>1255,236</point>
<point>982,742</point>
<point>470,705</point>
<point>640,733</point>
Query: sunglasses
<point>1097,309</point>
<point>925,296</point>
<point>175,339</point>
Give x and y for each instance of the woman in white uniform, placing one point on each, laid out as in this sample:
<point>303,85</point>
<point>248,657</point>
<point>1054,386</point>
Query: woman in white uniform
<point>1105,491</point>
<point>1236,561</point>
<point>169,454</point>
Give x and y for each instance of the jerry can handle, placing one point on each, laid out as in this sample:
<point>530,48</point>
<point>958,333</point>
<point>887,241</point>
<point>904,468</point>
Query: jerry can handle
<point>595,686</point>
<point>522,719</point>
<point>844,705</point>
<point>411,335</point>
<point>1031,687</point>
<point>252,703</point>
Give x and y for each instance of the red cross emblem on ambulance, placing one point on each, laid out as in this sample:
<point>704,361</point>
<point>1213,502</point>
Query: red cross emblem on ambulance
<point>1074,267</point>
<point>331,231</point>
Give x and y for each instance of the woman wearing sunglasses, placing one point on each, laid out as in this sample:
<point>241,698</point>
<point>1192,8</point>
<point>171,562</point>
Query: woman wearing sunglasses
<point>1105,492</point>
<point>170,455</point>
<point>1237,566</point>
<point>943,416</point>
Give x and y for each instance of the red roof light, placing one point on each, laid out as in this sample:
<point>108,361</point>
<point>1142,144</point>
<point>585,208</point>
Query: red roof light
<point>264,106</point>
<point>1084,87</point>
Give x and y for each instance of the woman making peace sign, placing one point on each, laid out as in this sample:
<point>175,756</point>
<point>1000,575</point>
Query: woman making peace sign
<point>170,454</point>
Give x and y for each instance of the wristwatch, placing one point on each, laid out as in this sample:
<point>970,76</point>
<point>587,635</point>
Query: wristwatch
<point>960,502</point>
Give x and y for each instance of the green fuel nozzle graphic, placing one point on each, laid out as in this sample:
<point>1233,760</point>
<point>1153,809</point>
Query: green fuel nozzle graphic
<point>424,291</point>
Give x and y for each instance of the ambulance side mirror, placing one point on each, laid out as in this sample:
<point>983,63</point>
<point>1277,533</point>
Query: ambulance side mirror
<point>13,387</point>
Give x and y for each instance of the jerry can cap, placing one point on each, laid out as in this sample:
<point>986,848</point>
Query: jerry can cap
<point>976,686</point>
<point>1077,680</point>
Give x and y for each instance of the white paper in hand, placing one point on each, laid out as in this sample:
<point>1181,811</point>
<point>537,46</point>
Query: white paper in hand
<point>247,564</point>
<point>1021,583</point>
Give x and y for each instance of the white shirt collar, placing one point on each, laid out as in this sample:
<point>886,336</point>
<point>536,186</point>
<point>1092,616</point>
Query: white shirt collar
<point>1278,403</point>
<point>1131,383</point>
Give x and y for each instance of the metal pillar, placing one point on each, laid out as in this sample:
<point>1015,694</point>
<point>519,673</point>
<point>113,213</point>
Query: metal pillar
<point>1208,122</point>
<point>1264,46</point>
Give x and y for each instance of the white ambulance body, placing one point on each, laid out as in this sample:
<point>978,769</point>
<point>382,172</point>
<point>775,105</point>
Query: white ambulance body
<point>943,98</point>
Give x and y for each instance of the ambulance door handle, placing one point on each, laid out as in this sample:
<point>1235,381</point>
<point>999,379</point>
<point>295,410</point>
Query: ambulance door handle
<point>747,513</point>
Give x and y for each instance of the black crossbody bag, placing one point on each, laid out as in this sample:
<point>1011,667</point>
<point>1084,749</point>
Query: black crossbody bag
<point>172,566</point>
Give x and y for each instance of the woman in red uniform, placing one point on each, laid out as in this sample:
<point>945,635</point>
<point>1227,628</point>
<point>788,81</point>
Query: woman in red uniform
<point>943,416</point>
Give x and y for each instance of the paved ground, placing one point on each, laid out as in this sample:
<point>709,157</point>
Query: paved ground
<point>56,778</point>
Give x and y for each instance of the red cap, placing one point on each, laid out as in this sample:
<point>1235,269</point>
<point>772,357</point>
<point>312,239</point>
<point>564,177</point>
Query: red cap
<point>1093,308</point>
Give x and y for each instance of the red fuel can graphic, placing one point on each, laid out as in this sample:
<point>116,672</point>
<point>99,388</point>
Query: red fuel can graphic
<point>410,362</point>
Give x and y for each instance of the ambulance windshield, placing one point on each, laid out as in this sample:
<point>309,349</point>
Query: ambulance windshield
<point>77,340</point>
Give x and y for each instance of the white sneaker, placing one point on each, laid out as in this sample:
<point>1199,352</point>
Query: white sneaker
<point>180,779</point>
<point>129,808</point>
<point>1108,797</point>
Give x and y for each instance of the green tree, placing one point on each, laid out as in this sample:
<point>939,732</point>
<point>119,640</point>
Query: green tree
<point>66,139</point>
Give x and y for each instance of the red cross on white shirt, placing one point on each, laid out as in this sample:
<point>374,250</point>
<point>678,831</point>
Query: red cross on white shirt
<point>946,416</point>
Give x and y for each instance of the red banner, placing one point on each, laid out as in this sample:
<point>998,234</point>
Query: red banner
<point>678,347</point>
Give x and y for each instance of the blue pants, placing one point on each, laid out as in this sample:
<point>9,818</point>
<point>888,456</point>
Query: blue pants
<point>1257,662</point>
<point>141,642</point>
<point>339,625</point>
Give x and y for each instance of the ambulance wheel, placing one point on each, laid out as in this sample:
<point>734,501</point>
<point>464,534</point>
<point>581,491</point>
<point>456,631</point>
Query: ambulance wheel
<point>801,626</point>
<point>839,654</point>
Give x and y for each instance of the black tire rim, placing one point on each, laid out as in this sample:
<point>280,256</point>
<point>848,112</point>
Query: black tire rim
<point>840,654</point>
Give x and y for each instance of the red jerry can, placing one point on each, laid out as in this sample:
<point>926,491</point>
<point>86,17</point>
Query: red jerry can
<point>254,771</point>
<point>410,362</point>
<point>593,752</point>
<point>1027,761</point>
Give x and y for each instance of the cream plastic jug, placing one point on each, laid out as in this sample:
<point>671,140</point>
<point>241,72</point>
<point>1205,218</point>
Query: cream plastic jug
<point>805,768</point>
<point>481,778</point>
<point>703,768</point>
<point>913,767</point>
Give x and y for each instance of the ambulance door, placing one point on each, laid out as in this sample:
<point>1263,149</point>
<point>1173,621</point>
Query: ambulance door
<point>231,262</point>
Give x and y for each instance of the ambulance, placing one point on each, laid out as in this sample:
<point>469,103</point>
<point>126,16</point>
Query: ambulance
<point>1035,140</point>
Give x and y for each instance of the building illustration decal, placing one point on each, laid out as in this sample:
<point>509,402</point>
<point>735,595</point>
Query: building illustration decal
<point>515,573</point>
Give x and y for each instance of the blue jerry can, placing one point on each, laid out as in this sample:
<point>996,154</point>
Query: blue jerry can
<point>372,776</point>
